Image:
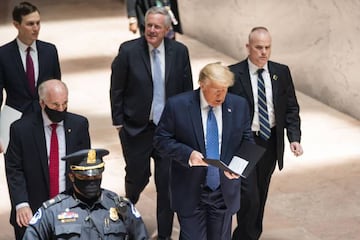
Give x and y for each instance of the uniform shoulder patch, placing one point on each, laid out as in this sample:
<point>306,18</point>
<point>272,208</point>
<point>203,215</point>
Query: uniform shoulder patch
<point>37,216</point>
<point>135,211</point>
<point>54,200</point>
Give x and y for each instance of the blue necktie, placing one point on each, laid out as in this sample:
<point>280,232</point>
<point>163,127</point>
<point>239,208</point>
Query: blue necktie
<point>158,87</point>
<point>265,131</point>
<point>212,150</point>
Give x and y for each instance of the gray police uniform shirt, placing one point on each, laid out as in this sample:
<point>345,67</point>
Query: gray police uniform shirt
<point>65,217</point>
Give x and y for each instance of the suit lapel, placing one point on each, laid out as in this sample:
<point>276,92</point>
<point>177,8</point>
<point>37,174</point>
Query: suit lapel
<point>195,116</point>
<point>226,125</point>
<point>168,58</point>
<point>144,52</point>
<point>68,135</point>
<point>70,143</point>
<point>39,48</point>
<point>246,82</point>
<point>19,66</point>
<point>274,75</point>
<point>40,141</point>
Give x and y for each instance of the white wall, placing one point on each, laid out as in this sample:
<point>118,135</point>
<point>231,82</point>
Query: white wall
<point>318,39</point>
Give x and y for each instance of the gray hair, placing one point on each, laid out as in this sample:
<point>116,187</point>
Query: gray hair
<point>52,84</point>
<point>162,11</point>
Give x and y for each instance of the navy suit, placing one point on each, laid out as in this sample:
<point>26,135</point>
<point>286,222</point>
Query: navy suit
<point>26,160</point>
<point>255,187</point>
<point>13,76</point>
<point>131,96</point>
<point>180,132</point>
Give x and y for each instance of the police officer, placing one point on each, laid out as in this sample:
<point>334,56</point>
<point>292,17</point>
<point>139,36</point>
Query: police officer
<point>86,211</point>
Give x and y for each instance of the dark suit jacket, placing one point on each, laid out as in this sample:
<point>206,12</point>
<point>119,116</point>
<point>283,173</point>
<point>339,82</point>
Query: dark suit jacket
<point>26,159</point>
<point>138,8</point>
<point>180,131</point>
<point>131,91</point>
<point>13,77</point>
<point>284,99</point>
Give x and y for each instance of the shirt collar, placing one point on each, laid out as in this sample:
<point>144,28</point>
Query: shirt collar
<point>161,47</point>
<point>23,47</point>
<point>253,68</point>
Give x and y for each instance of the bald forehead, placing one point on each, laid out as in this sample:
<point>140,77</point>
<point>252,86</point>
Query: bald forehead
<point>55,85</point>
<point>259,34</point>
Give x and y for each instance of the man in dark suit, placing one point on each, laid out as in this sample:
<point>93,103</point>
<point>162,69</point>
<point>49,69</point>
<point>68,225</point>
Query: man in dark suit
<point>136,10</point>
<point>204,210</point>
<point>283,113</point>
<point>21,96</point>
<point>28,158</point>
<point>146,72</point>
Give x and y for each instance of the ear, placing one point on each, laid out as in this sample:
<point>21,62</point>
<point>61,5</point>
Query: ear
<point>16,24</point>
<point>42,104</point>
<point>72,177</point>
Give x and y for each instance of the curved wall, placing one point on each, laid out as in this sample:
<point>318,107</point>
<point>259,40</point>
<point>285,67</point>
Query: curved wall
<point>318,39</point>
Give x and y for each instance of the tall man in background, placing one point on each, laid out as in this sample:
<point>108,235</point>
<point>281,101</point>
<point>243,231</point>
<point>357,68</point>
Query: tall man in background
<point>136,10</point>
<point>146,72</point>
<point>37,141</point>
<point>24,64</point>
<point>269,90</point>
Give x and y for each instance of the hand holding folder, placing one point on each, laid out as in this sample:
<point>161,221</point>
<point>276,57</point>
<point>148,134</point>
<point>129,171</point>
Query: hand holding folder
<point>245,161</point>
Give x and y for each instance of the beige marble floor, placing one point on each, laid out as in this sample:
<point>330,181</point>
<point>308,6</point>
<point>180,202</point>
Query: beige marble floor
<point>315,197</point>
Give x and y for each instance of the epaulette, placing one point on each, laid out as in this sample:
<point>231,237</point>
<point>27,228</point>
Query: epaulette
<point>124,199</point>
<point>56,199</point>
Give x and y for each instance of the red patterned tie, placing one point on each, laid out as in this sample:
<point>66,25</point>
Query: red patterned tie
<point>30,71</point>
<point>54,162</point>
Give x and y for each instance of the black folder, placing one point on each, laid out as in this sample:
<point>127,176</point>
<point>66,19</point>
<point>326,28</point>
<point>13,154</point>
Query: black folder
<point>249,152</point>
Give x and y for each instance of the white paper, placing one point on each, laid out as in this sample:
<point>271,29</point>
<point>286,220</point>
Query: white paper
<point>238,165</point>
<point>7,116</point>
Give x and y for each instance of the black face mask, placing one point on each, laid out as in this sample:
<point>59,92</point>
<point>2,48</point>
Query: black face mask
<point>88,188</point>
<point>54,115</point>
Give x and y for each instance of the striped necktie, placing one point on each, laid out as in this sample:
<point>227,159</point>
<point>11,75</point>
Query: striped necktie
<point>265,131</point>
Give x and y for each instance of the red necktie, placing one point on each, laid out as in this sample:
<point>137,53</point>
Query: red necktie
<point>54,162</point>
<point>30,71</point>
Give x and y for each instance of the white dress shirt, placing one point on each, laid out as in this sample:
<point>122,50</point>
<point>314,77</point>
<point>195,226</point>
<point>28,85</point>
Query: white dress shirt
<point>269,95</point>
<point>33,54</point>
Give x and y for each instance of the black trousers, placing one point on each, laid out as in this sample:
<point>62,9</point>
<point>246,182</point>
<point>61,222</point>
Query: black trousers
<point>19,232</point>
<point>254,191</point>
<point>138,151</point>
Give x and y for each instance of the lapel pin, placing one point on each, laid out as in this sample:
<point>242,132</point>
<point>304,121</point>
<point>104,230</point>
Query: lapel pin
<point>229,110</point>
<point>275,77</point>
<point>69,130</point>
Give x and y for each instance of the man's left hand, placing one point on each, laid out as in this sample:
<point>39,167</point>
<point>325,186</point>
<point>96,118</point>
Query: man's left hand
<point>296,148</point>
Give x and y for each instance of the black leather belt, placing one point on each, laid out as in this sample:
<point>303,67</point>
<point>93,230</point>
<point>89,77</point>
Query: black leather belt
<point>257,133</point>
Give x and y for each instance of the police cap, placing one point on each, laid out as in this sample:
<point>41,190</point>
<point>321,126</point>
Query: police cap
<point>87,162</point>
